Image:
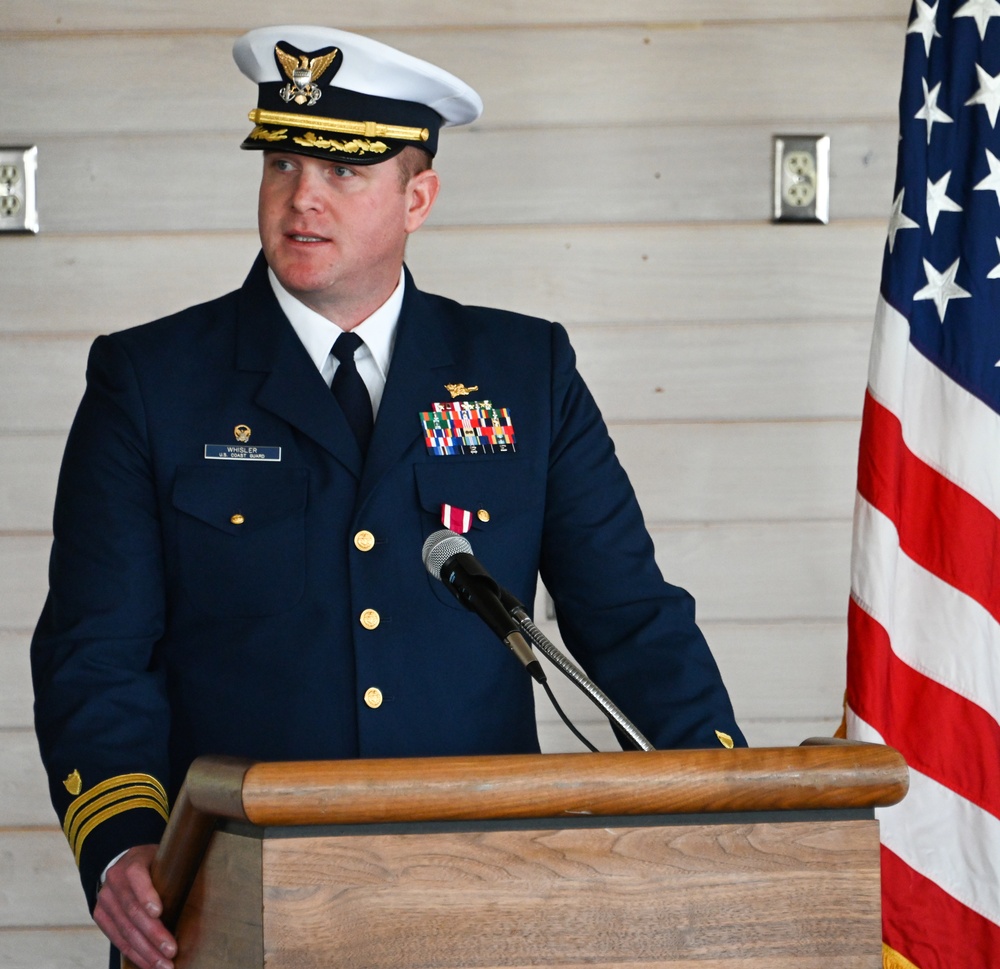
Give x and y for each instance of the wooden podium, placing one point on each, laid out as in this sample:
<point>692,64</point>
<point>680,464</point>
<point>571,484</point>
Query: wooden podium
<point>761,858</point>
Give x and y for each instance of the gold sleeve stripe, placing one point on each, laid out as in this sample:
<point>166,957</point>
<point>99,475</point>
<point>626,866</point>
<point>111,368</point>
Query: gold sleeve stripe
<point>86,799</point>
<point>363,129</point>
<point>123,794</point>
<point>139,802</point>
<point>120,780</point>
<point>114,791</point>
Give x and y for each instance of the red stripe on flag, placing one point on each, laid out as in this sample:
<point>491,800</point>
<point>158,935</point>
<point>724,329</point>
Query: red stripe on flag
<point>927,925</point>
<point>939,733</point>
<point>941,527</point>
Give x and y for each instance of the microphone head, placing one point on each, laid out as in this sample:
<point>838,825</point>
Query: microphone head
<point>441,546</point>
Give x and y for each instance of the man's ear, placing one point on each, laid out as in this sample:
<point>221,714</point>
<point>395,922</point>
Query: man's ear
<point>421,191</point>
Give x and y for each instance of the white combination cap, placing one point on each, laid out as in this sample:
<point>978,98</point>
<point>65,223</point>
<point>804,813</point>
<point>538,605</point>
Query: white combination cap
<point>341,96</point>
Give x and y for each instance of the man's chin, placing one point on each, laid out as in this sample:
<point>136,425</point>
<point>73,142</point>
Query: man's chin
<point>301,276</point>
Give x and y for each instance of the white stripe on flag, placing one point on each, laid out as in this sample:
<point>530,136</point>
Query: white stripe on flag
<point>933,627</point>
<point>943,424</point>
<point>942,836</point>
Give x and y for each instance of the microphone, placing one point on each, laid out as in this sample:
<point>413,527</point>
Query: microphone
<point>448,557</point>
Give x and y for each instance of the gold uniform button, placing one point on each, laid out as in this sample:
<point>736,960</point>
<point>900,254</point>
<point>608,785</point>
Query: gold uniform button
<point>364,541</point>
<point>370,619</point>
<point>373,698</point>
<point>483,515</point>
<point>237,519</point>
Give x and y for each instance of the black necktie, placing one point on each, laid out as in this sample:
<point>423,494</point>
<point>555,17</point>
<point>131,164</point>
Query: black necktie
<point>350,389</point>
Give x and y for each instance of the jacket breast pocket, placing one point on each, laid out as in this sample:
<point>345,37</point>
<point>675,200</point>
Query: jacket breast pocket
<point>505,506</point>
<point>241,537</point>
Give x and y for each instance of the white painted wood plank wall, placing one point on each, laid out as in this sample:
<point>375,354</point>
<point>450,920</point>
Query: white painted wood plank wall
<point>619,182</point>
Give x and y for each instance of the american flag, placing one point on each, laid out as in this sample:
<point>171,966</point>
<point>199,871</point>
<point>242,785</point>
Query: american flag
<point>924,617</point>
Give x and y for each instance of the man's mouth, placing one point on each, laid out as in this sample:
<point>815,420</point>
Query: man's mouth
<point>296,237</point>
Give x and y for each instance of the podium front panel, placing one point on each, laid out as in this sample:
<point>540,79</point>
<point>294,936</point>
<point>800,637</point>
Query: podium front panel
<point>730,892</point>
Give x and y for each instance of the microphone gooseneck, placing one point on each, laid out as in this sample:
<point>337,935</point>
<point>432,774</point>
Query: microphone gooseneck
<point>448,557</point>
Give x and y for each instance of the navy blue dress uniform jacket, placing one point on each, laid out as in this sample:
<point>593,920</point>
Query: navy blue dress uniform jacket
<point>215,606</point>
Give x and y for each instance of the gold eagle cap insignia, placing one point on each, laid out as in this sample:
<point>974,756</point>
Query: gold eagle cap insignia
<point>459,390</point>
<point>316,67</point>
<point>303,72</point>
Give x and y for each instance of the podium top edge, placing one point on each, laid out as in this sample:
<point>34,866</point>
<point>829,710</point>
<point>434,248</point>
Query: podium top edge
<point>819,774</point>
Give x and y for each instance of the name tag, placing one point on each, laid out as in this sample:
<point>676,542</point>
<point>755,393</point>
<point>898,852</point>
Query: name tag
<point>241,452</point>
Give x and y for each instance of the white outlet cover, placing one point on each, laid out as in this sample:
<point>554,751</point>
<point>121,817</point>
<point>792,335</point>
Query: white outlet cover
<point>18,203</point>
<point>801,178</point>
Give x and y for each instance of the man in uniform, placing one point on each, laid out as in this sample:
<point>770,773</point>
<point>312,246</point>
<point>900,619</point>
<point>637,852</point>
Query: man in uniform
<point>236,566</point>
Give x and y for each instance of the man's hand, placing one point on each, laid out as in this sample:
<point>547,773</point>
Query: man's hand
<point>128,911</point>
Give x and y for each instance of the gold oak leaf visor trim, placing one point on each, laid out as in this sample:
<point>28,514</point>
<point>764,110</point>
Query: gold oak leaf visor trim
<point>111,797</point>
<point>263,134</point>
<point>342,126</point>
<point>354,147</point>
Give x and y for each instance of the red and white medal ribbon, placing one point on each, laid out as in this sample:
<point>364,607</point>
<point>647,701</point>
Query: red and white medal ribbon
<point>457,519</point>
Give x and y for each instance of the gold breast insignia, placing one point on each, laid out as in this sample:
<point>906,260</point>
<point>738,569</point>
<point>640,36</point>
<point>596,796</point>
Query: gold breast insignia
<point>242,433</point>
<point>459,390</point>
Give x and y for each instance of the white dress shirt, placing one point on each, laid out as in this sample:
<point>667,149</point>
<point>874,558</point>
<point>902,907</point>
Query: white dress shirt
<point>318,334</point>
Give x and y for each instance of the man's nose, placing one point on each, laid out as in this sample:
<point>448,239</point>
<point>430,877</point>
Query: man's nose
<point>308,193</point>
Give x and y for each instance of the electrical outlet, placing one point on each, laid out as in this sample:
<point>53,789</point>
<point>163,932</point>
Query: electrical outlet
<point>18,211</point>
<point>801,178</point>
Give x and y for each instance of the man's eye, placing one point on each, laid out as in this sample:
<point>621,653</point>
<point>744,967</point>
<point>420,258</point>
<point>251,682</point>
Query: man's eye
<point>342,171</point>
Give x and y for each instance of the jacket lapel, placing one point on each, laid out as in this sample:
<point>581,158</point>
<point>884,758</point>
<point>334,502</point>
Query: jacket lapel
<point>292,388</point>
<point>422,353</point>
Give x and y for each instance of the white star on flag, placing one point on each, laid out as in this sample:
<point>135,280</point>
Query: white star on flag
<point>930,112</point>
<point>941,287</point>
<point>992,181</point>
<point>994,273</point>
<point>924,24</point>
<point>898,219</point>
<point>982,10</point>
<point>937,201</point>
<point>988,94</point>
